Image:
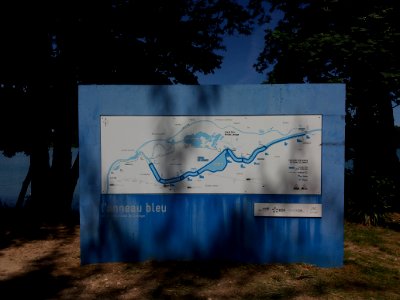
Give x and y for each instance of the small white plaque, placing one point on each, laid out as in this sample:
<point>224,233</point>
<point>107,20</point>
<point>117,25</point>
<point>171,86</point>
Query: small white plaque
<point>287,210</point>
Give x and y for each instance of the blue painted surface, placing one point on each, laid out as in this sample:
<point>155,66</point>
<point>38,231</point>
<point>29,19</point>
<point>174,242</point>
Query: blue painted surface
<point>207,226</point>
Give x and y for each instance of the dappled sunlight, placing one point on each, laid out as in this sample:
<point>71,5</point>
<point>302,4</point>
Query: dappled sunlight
<point>49,268</point>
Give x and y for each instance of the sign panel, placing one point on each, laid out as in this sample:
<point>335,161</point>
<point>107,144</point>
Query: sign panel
<point>211,154</point>
<point>183,172</point>
<point>299,210</point>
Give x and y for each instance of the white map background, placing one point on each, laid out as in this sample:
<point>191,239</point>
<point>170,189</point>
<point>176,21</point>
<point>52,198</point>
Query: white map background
<point>278,154</point>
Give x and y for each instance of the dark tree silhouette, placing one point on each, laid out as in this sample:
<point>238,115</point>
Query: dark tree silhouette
<point>343,41</point>
<point>48,48</point>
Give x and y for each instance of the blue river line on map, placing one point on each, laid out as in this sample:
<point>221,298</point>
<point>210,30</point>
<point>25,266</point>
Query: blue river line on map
<point>218,164</point>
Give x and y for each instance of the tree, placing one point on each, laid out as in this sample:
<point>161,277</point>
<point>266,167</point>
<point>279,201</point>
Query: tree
<point>343,41</point>
<point>51,47</point>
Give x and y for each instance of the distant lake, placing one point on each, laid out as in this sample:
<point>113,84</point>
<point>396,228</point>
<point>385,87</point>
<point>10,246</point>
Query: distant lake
<point>13,172</point>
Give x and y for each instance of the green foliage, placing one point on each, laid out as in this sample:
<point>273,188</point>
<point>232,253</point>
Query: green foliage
<point>344,41</point>
<point>49,47</point>
<point>370,207</point>
<point>325,41</point>
<point>364,236</point>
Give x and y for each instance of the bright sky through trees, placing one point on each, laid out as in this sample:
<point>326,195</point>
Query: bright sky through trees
<point>240,56</point>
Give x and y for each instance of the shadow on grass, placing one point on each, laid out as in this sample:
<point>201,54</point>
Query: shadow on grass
<point>35,284</point>
<point>34,278</point>
<point>18,226</point>
<point>53,275</point>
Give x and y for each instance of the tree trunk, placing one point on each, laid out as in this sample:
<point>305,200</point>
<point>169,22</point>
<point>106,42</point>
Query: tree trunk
<point>65,94</point>
<point>41,184</point>
<point>376,165</point>
<point>74,176</point>
<point>24,188</point>
<point>375,136</point>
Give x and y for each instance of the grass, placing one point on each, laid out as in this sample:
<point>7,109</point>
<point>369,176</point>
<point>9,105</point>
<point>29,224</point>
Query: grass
<point>371,271</point>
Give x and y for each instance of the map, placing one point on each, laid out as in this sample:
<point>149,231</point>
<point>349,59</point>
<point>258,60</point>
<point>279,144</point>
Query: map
<point>273,154</point>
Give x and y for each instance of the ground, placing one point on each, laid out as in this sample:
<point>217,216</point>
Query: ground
<point>43,262</point>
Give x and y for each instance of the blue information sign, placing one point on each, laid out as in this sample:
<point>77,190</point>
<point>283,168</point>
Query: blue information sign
<point>249,173</point>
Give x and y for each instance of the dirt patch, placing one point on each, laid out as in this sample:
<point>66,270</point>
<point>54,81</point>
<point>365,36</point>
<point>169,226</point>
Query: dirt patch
<point>47,266</point>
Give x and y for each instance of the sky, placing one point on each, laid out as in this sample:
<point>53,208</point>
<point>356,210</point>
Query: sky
<point>240,56</point>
